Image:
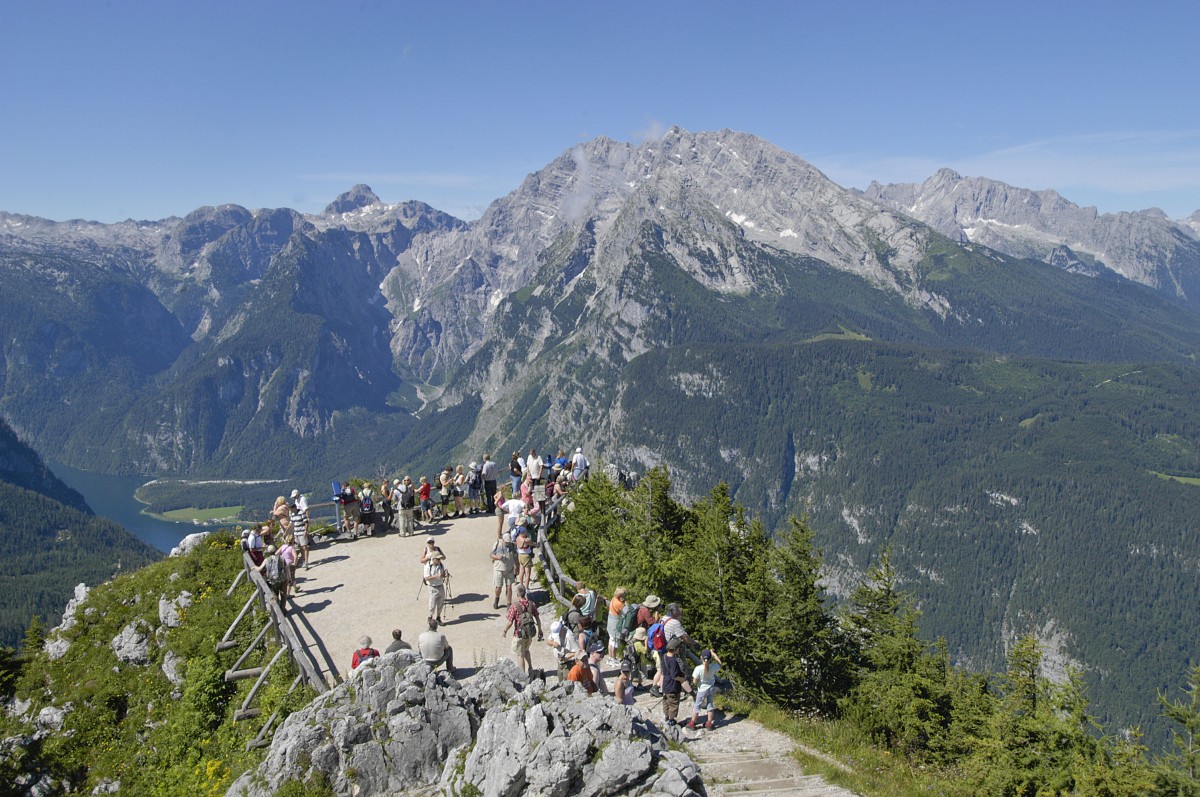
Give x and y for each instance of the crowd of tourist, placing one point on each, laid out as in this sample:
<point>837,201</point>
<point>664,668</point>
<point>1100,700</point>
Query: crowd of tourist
<point>644,642</point>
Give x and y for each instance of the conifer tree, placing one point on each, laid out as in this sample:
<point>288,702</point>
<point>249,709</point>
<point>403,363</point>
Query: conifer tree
<point>901,698</point>
<point>1179,772</point>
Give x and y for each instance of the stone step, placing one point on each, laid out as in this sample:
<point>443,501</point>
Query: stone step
<point>748,770</point>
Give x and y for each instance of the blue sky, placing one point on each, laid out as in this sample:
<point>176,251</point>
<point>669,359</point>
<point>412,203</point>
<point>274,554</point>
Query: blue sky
<point>115,110</point>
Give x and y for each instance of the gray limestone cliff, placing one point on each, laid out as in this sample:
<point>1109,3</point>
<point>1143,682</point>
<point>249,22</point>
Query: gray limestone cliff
<point>396,727</point>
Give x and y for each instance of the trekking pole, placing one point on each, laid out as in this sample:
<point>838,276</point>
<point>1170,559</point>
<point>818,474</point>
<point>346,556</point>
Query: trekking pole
<point>420,589</point>
<point>449,591</point>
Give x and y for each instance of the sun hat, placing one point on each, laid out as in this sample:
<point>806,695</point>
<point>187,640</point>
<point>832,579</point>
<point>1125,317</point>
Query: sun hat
<point>625,667</point>
<point>640,634</point>
<point>652,602</point>
<point>673,643</point>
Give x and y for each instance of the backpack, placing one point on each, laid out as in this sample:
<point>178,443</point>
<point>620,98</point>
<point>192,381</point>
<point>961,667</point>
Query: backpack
<point>274,570</point>
<point>347,495</point>
<point>367,505</point>
<point>362,657</point>
<point>658,636</point>
<point>476,480</point>
<point>626,620</point>
<point>526,622</point>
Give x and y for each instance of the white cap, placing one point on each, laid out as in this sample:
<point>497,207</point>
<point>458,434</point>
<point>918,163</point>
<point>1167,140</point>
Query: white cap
<point>295,493</point>
<point>579,451</point>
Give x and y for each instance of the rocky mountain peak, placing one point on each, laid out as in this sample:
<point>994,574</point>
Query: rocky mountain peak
<point>360,196</point>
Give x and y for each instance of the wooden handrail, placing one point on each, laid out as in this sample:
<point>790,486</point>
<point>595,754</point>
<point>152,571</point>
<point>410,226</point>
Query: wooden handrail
<point>285,629</point>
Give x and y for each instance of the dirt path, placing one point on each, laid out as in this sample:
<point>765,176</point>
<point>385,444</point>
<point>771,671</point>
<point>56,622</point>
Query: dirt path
<point>370,586</point>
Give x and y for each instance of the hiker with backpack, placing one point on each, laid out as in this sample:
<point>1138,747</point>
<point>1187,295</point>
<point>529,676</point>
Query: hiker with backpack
<point>272,571</point>
<point>363,654</point>
<point>407,496</point>
<point>474,488</point>
<point>523,617</point>
<point>366,510</point>
<point>435,576</point>
<point>348,500</point>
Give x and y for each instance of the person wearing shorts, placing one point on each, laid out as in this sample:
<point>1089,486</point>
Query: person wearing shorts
<point>504,569</point>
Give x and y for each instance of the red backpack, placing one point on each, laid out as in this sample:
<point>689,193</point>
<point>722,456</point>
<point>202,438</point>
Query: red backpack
<point>658,636</point>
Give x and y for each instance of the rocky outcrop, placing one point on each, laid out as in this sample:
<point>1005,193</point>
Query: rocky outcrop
<point>168,610</point>
<point>398,726</point>
<point>132,645</point>
<point>189,542</point>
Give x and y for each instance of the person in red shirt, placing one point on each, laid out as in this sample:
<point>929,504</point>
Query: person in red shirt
<point>423,495</point>
<point>523,617</point>
<point>364,653</point>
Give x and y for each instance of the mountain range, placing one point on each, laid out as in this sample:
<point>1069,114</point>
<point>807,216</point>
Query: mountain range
<point>992,381</point>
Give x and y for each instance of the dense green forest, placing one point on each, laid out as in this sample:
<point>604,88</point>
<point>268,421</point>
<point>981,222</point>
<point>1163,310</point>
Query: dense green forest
<point>46,548</point>
<point>758,601</point>
<point>1018,496</point>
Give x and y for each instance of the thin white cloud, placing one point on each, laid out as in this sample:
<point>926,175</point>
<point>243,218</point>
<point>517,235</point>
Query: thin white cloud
<point>653,131</point>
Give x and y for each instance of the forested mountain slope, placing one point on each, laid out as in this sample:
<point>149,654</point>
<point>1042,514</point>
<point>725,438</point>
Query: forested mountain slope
<point>50,541</point>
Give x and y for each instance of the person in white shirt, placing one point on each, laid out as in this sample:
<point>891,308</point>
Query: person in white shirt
<point>534,465</point>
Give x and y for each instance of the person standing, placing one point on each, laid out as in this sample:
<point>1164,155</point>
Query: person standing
<point>673,626</point>
<point>474,488</point>
<point>674,681</point>
<point>425,496</point>
<point>407,496</point>
<point>387,502</point>
<point>435,648</point>
<point>435,575</point>
<point>705,678</point>
<point>579,465</point>
<point>287,553</point>
<point>615,607</point>
<point>300,500</point>
<point>299,519</point>
<point>460,490</point>
<point>515,471</point>
<point>524,546</point>
<point>489,474</point>
<point>526,623</point>
<point>504,569</point>
<point>534,465</point>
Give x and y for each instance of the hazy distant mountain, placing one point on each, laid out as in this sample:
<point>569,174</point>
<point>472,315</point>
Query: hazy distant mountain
<point>1146,246</point>
<point>707,301</point>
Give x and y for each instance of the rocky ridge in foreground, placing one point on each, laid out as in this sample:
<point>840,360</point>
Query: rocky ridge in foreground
<point>397,727</point>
